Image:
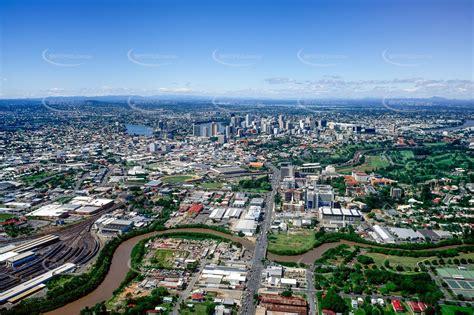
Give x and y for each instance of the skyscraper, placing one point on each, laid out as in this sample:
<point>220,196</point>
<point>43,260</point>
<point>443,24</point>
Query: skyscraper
<point>205,132</point>
<point>248,121</point>
<point>196,130</point>
<point>214,129</point>
<point>281,122</point>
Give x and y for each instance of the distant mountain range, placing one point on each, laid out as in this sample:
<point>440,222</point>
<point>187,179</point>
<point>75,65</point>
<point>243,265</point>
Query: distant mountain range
<point>432,101</point>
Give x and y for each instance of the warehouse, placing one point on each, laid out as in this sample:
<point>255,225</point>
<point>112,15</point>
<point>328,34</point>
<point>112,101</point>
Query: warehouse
<point>232,213</point>
<point>116,226</point>
<point>248,227</point>
<point>217,214</point>
<point>382,235</point>
<point>254,213</point>
<point>336,218</point>
<point>403,234</point>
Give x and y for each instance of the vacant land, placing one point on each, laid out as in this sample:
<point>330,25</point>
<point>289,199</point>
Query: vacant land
<point>299,240</point>
<point>177,178</point>
<point>211,185</point>
<point>165,257</point>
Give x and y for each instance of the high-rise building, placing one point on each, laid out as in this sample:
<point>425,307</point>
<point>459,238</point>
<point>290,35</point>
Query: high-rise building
<point>161,125</point>
<point>287,171</point>
<point>318,196</point>
<point>214,129</point>
<point>323,124</point>
<point>396,193</point>
<point>281,122</point>
<point>205,132</point>
<point>248,121</point>
<point>153,147</point>
<point>196,130</point>
<point>228,131</point>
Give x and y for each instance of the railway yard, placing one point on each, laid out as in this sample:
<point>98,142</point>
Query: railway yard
<point>33,257</point>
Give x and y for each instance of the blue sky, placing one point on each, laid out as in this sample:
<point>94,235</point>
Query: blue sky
<point>301,49</point>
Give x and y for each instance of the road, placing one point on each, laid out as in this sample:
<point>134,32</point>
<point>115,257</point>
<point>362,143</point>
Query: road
<point>255,273</point>
<point>185,294</point>
<point>310,290</point>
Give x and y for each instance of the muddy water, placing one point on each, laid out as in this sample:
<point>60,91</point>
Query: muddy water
<point>120,263</point>
<point>119,269</point>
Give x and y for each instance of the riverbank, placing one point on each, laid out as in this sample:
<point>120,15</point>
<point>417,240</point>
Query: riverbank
<point>121,262</point>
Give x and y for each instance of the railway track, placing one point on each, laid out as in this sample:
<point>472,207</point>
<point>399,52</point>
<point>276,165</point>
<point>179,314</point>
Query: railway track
<point>76,245</point>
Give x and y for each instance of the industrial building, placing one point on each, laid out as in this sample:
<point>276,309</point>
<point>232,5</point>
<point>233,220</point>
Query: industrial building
<point>248,227</point>
<point>115,226</point>
<point>31,284</point>
<point>20,259</point>
<point>336,218</point>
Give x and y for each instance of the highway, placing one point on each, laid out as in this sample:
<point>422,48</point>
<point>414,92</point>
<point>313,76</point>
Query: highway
<point>310,290</point>
<point>255,274</point>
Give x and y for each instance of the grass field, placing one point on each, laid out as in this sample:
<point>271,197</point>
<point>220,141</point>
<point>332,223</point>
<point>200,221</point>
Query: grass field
<point>410,261</point>
<point>35,177</point>
<point>450,309</point>
<point>177,178</point>
<point>198,309</point>
<point>395,260</point>
<point>372,162</point>
<point>166,257</point>
<point>212,185</point>
<point>297,240</point>
<point>5,216</point>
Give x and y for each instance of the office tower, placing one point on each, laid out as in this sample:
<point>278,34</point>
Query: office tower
<point>287,171</point>
<point>281,122</point>
<point>301,124</point>
<point>153,147</point>
<point>395,192</point>
<point>161,125</point>
<point>228,131</point>
<point>196,130</point>
<point>248,120</point>
<point>214,129</point>
<point>205,132</point>
<point>323,124</point>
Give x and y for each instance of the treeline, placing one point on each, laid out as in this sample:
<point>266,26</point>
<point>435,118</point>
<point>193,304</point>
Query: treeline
<point>409,284</point>
<point>451,252</point>
<point>221,229</point>
<point>136,257</point>
<point>322,237</point>
<point>262,183</point>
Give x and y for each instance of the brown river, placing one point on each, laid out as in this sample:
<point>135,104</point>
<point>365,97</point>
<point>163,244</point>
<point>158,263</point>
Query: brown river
<point>120,265</point>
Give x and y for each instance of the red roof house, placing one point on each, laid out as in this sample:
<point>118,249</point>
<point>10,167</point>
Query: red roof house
<point>196,208</point>
<point>417,307</point>
<point>397,306</point>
